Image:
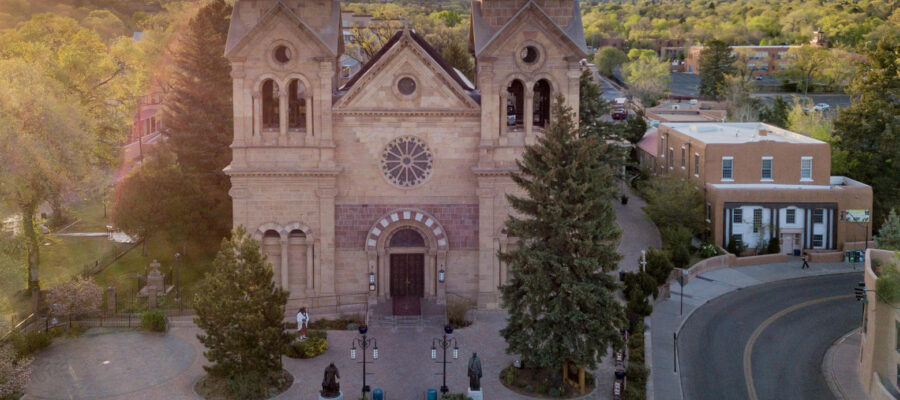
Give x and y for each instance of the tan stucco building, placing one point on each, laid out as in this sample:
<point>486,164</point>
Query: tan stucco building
<point>879,358</point>
<point>402,172</point>
<point>764,183</point>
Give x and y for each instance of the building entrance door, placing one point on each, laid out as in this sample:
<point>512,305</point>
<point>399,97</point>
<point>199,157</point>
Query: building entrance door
<point>407,283</point>
<point>787,243</point>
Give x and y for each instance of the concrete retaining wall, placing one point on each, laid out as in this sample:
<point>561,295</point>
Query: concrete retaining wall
<point>825,256</point>
<point>756,260</point>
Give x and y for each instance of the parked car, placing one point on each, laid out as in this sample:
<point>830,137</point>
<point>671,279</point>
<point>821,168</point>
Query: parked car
<point>619,113</point>
<point>821,107</point>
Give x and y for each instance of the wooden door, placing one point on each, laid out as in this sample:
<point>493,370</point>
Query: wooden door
<point>407,283</point>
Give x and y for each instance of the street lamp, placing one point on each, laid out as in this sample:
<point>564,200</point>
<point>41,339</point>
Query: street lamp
<point>444,343</point>
<point>643,260</point>
<point>364,343</point>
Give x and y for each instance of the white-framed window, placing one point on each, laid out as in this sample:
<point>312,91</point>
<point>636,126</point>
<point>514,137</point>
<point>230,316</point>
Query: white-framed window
<point>737,216</point>
<point>671,158</point>
<point>682,157</point>
<point>709,216</point>
<point>757,219</point>
<point>766,173</point>
<point>663,138</point>
<point>697,164</point>
<point>727,168</point>
<point>806,169</point>
<point>817,240</point>
<point>790,216</point>
<point>818,216</point>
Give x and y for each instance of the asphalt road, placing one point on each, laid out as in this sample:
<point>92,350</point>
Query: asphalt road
<point>788,343</point>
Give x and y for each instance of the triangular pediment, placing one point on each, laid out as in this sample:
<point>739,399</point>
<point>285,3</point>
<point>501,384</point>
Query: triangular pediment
<point>378,86</point>
<point>242,37</point>
<point>530,18</point>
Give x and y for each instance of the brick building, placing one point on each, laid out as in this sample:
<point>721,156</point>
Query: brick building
<point>398,176</point>
<point>764,183</point>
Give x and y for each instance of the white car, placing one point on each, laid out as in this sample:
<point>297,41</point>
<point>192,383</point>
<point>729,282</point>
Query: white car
<point>821,107</point>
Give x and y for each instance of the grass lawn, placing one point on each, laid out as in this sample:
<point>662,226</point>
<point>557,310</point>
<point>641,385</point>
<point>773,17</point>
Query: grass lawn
<point>90,216</point>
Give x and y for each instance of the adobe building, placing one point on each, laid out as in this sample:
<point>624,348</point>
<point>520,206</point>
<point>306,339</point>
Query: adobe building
<point>372,191</point>
<point>674,111</point>
<point>763,60</point>
<point>879,359</point>
<point>765,183</point>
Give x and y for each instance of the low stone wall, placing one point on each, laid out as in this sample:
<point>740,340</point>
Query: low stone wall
<point>756,260</point>
<point>858,245</point>
<point>724,261</point>
<point>825,256</point>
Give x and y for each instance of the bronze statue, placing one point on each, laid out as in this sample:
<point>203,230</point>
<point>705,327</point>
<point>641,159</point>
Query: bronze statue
<point>474,372</point>
<point>331,388</point>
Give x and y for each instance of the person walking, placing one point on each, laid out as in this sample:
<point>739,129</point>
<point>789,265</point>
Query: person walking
<point>805,263</point>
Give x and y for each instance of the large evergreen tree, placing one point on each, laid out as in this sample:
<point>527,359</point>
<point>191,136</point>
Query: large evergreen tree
<point>867,133</point>
<point>560,297</point>
<point>241,311</point>
<point>716,62</point>
<point>198,115</point>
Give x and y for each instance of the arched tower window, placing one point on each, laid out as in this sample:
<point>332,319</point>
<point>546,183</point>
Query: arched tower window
<point>515,103</point>
<point>542,103</point>
<point>297,107</point>
<point>270,104</point>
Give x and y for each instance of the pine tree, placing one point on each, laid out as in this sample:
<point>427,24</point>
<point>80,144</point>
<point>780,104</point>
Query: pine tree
<point>241,312</point>
<point>560,297</point>
<point>198,115</point>
<point>889,235</point>
<point>716,62</point>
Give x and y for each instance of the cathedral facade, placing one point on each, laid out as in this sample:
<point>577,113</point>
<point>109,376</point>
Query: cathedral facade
<point>389,188</point>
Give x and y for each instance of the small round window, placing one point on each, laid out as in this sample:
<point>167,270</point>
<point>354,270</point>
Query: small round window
<point>406,86</point>
<point>530,54</point>
<point>282,54</point>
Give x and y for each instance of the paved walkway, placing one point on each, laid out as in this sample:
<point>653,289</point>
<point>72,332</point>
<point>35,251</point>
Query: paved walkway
<point>638,232</point>
<point>668,316</point>
<point>840,368</point>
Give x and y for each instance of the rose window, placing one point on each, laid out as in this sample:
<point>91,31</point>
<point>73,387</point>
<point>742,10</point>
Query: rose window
<point>407,161</point>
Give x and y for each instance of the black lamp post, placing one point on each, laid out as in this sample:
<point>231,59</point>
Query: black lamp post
<point>444,343</point>
<point>364,343</point>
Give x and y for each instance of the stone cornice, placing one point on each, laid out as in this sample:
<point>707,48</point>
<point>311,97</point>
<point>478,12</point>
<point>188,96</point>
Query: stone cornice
<point>388,112</point>
<point>284,172</point>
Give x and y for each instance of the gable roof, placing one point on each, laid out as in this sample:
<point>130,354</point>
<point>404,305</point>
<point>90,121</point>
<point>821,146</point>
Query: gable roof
<point>240,30</point>
<point>457,77</point>
<point>483,35</point>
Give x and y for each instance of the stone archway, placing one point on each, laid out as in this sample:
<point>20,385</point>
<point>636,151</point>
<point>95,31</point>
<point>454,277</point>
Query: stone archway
<point>434,249</point>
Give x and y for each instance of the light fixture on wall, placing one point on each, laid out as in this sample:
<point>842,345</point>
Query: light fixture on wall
<point>442,276</point>
<point>371,281</point>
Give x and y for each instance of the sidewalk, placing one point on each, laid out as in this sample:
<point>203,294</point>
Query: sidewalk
<point>840,368</point>
<point>667,317</point>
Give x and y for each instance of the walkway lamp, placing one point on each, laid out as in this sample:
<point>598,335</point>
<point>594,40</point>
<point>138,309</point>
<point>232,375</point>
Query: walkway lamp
<point>371,281</point>
<point>364,343</point>
<point>444,342</point>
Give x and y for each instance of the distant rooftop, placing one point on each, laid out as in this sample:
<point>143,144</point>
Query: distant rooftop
<point>738,132</point>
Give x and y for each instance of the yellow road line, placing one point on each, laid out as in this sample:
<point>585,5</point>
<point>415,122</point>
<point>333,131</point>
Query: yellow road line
<point>748,349</point>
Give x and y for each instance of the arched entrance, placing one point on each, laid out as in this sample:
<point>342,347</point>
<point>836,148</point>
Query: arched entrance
<point>407,257</point>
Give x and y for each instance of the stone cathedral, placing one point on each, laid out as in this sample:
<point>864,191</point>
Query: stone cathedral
<point>388,188</point>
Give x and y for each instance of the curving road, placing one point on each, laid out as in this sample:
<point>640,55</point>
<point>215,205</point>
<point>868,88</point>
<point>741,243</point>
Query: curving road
<point>770,337</point>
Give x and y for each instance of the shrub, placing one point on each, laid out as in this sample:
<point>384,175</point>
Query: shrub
<point>344,322</point>
<point>735,247</point>
<point>640,306</point>
<point>510,375</point>
<point>888,284</point>
<point>29,343</point>
<point>554,392</point>
<point>681,257</point>
<point>659,265</point>
<point>309,348</point>
<point>153,321</point>
<point>709,250</point>
<point>633,392</point>
<point>247,385</point>
<point>774,246</point>
<point>457,311</point>
<point>542,388</point>
<point>636,374</point>
<point>639,284</point>
<point>14,373</point>
<point>676,236</point>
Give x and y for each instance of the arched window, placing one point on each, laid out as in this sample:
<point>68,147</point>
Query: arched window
<point>542,103</point>
<point>407,238</point>
<point>515,104</point>
<point>270,106</point>
<point>297,105</point>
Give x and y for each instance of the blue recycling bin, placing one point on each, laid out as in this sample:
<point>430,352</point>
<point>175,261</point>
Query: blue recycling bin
<point>431,394</point>
<point>378,394</point>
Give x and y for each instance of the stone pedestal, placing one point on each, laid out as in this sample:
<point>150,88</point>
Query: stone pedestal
<point>340,397</point>
<point>476,394</point>
<point>155,278</point>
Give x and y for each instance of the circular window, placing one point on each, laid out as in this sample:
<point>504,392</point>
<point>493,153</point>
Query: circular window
<point>407,161</point>
<point>282,54</point>
<point>406,86</point>
<point>529,54</point>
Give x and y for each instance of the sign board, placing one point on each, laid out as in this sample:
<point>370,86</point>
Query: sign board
<point>855,215</point>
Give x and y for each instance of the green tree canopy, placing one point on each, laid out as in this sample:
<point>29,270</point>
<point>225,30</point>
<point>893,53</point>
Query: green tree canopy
<point>673,202</point>
<point>716,63</point>
<point>646,75</point>
<point>560,297</point>
<point>889,235</point>
<point>608,59</point>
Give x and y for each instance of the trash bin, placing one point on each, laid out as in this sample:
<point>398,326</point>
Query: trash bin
<point>431,394</point>
<point>378,394</point>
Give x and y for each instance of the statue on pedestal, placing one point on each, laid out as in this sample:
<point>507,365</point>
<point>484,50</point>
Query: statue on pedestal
<point>302,323</point>
<point>474,373</point>
<point>331,388</point>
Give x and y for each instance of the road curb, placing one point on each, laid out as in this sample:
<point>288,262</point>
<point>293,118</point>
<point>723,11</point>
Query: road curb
<point>690,313</point>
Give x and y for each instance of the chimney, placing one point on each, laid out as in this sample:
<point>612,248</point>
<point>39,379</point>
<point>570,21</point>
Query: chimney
<point>763,132</point>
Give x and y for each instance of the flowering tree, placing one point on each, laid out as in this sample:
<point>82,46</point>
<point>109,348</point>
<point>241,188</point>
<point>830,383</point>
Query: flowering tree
<point>78,297</point>
<point>14,374</point>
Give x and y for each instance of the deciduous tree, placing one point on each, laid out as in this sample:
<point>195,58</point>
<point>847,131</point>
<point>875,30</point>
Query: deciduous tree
<point>76,298</point>
<point>15,372</point>
<point>560,297</point>
<point>647,76</point>
<point>672,202</point>
<point>608,59</point>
